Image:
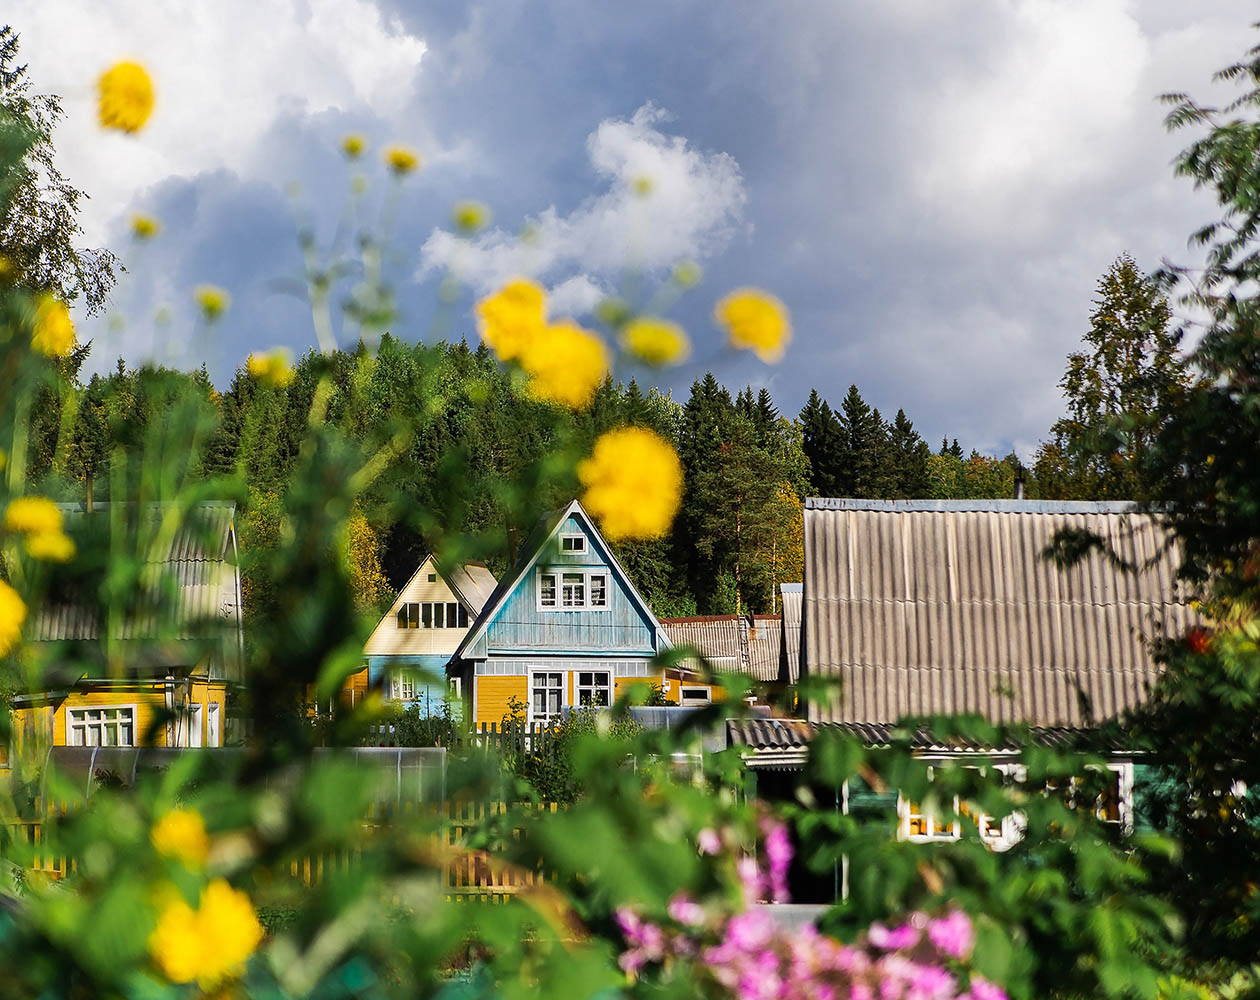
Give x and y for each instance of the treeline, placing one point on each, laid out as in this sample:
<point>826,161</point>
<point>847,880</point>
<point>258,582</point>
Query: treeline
<point>459,439</point>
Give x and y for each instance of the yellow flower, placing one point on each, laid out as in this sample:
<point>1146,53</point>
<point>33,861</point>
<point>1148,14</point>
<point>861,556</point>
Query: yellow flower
<point>687,274</point>
<point>54,330</point>
<point>12,615</point>
<point>207,944</point>
<point>643,185</point>
<point>656,341</point>
<point>181,834</point>
<point>126,97</point>
<point>144,227</point>
<point>755,320</point>
<point>353,146</point>
<point>566,364</point>
<point>213,301</point>
<point>401,160</point>
<point>470,216</point>
<point>633,482</point>
<point>42,524</point>
<point>511,317</point>
<point>275,367</point>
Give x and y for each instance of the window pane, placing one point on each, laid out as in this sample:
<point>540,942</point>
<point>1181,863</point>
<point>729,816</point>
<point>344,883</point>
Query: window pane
<point>599,591</point>
<point>463,617</point>
<point>426,614</point>
<point>547,591</point>
<point>439,615</point>
<point>402,616</point>
<point>452,614</point>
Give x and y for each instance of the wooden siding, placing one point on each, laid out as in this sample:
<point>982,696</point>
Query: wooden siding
<point>493,694</point>
<point>520,625</point>
<point>387,639</point>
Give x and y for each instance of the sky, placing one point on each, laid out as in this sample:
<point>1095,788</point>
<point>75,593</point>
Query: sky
<point>933,187</point>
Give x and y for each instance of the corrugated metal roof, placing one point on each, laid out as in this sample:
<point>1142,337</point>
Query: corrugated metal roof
<point>728,643</point>
<point>476,583</point>
<point>795,734</point>
<point>920,609</point>
<point>792,596</point>
<point>188,580</point>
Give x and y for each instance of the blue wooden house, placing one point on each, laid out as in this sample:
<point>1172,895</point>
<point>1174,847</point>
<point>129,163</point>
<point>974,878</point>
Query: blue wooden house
<point>565,627</point>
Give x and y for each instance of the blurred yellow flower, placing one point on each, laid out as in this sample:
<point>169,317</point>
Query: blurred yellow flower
<point>511,317</point>
<point>42,526</point>
<point>755,320</point>
<point>274,368</point>
<point>213,301</point>
<point>566,364</point>
<point>656,341</point>
<point>12,615</point>
<point>144,227</point>
<point>126,97</point>
<point>401,160</point>
<point>643,185</point>
<point>54,330</point>
<point>687,274</point>
<point>353,145</point>
<point>634,484</point>
<point>207,944</point>
<point>470,216</point>
<point>181,834</point>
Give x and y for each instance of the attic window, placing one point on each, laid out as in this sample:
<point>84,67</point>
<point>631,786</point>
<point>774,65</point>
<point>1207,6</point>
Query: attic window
<point>572,544</point>
<point>576,590</point>
<point>432,614</point>
<point>433,578</point>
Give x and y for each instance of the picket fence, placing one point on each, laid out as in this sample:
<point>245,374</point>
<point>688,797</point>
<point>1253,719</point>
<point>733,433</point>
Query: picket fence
<point>468,874</point>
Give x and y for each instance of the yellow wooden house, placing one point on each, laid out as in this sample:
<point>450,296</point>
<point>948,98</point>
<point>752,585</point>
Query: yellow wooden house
<point>159,673</point>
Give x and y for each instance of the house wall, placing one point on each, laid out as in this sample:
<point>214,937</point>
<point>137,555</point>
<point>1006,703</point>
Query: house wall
<point>521,625</point>
<point>387,639</point>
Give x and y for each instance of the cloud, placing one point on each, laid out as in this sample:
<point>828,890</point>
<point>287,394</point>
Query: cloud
<point>663,201</point>
<point>225,72</point>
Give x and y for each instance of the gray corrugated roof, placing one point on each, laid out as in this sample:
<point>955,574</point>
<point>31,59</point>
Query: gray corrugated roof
<point>795,734</point>
<point>791,596</point>
<point>189,574</point>
<point>922,610</point>
<point>475,583</point>
<point>975,506</point>
<point>726,642</point>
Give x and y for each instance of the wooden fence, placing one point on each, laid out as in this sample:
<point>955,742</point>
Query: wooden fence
<point>504,738</point>
<point>468,874</point>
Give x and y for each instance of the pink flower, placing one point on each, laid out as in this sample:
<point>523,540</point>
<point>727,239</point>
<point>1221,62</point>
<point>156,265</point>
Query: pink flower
<point>641,934</point>
<point>982,989</point>
<point>686,910</point>
<point>893,939</point>
<point>779,855</point>
<point>708,841</point>
<point>749,931</point>
<point>930,982</point>
<point>750,878</point>
<point>952,934</point>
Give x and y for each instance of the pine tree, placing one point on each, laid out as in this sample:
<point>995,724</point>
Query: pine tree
<point>910,457</point>
<point>861,453</point>
<point>1119,390</point>
<point>821,443</point>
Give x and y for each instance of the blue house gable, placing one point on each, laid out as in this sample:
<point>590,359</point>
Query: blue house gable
<point>568,597</point>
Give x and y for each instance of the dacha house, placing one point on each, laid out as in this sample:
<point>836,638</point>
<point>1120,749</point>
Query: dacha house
<point>155,669</point>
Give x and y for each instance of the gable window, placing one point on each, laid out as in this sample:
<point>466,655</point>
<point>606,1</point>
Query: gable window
<point>101,727</point>
<point>594,688</point>
<point>433,614</point>
<point>575,590</point>
<point>433,578</point>
<point>546,590</point>
<point>546,695</point>
<point>572,544</point>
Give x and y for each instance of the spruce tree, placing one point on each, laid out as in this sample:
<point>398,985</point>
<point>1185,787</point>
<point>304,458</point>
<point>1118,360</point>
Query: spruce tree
<point>821,443</point>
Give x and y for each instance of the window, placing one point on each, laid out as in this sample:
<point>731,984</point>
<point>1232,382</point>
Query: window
<point>573,590</point>
<point>921,821</point>
<point>572,544</point>
<point>433,614</point>
<point>576,590</point>
<point>213,737</point>
<point>546,590</point>
<point>194,726</point>
<point>693,696</point>
<point>433,578</point>
<point>599,590</point>
<point>594,688</point>
<point>402,686</point>
<point>546,695</point>
<point>101,727</point>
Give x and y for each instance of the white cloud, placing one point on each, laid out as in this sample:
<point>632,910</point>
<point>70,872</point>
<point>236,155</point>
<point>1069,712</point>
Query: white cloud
<point>692,209</point>
<point>224,71</point>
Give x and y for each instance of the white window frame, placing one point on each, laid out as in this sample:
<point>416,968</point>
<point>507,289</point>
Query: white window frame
<point>531,715</point>
<point>557,575</point>
<point>575,539</point>
<point>70,713</point>
<point>402,685</point>
<point>684,690</point>
<point>196,722</point>
<point>608,687</point>
<point>214,725</point>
